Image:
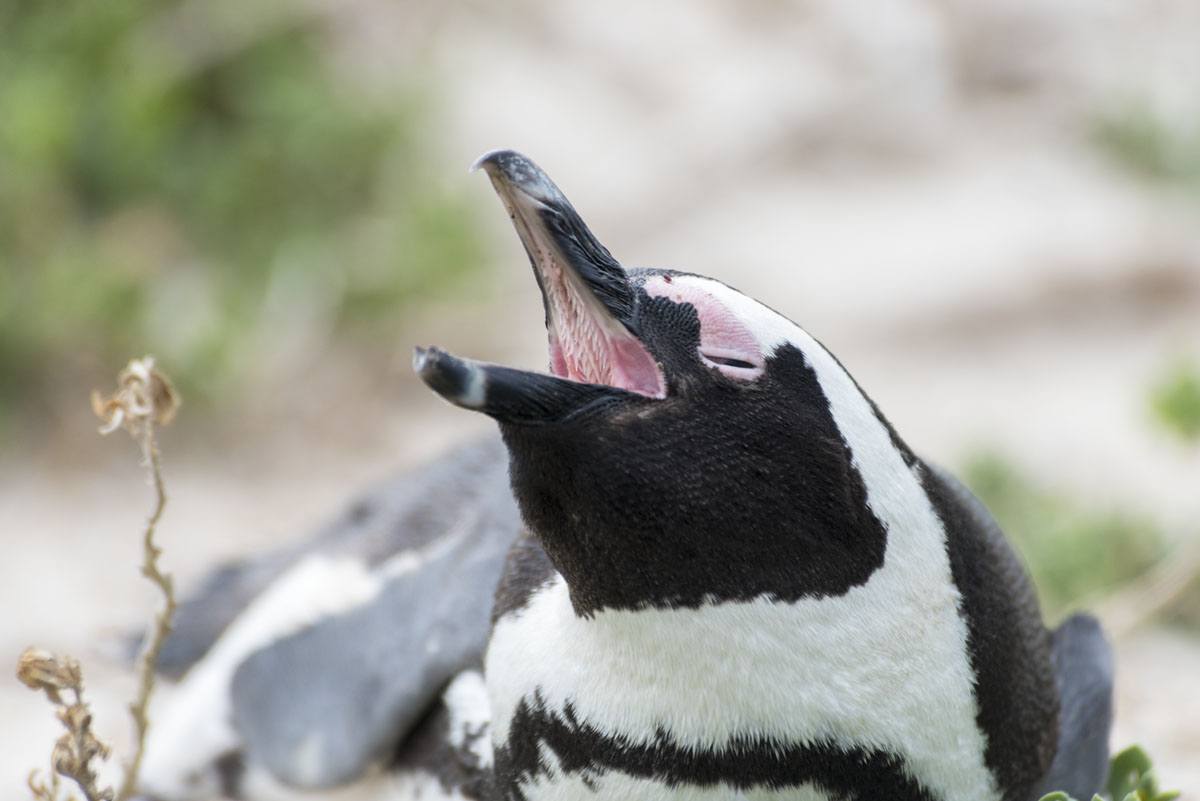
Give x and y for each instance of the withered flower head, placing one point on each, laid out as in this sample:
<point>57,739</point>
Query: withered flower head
<point>42,670</point>
<point>144,395</point>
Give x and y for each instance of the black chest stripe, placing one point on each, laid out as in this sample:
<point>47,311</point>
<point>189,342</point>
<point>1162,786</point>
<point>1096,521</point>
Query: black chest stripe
<point>843,773</point>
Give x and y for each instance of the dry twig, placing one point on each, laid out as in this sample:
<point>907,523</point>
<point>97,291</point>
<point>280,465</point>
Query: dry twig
<point>144,399</point>
<point>62,680</point>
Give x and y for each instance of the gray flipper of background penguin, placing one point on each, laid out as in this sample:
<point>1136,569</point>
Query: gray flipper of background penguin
<point>347,639</point>
<point>396,514</point>
<point>209,608</point>
<point>320,707</point>
<point>1083,666</point>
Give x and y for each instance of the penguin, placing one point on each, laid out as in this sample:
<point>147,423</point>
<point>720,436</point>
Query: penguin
<point>698,563</point>
<point>346,665</point>
<point>736,580</point>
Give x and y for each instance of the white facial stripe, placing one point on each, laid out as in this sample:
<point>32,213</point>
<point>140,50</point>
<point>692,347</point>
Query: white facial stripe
<point>870,668</point>
<point>769,328</point>
<point>900,504</point>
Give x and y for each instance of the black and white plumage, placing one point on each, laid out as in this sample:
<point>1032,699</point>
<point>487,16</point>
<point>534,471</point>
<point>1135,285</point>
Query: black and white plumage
<point>734,580</point>
<point>340,649</point>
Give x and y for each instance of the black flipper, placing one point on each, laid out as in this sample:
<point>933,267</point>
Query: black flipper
<point>1083,666</point>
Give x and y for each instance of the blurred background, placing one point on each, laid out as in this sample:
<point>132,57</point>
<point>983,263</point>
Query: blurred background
<point>989,211</point>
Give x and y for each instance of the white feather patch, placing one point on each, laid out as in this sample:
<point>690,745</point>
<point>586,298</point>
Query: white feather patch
<point>466,699</point>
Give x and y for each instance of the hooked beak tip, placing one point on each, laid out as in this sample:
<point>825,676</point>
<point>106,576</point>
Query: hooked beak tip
<point>493,159</point>
<point>517,178</point>
<point>478,163</point>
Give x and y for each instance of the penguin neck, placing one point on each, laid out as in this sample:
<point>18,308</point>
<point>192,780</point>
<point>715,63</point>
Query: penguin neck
<point>690,556</point>
<point>689,568</point>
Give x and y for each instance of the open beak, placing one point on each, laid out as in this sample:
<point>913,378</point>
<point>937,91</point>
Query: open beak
<point>595,353</point>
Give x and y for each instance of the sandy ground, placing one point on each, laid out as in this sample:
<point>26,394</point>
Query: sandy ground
<point>916,187</point>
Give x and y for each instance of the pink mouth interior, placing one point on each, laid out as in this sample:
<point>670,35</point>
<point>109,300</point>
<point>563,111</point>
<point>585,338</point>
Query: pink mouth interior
<point>588,345</point>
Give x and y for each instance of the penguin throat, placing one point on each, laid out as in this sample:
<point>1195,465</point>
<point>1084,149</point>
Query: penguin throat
<point>588,344</point>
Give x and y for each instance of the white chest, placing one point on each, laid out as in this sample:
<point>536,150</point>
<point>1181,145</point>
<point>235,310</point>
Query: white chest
<point>883,668</point>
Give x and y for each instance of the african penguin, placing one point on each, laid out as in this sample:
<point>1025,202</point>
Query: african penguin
<point>347,664</point>
<point>701,565</point>
<point>736,579</point>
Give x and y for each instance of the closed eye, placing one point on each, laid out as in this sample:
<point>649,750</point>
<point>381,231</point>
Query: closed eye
<point>728,361</point>
<point>726,344</point>
<point>734,364</point>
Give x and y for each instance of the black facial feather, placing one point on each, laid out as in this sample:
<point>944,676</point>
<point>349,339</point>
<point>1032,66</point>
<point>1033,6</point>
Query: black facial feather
<point>527,570</point>
<point>722,491</point>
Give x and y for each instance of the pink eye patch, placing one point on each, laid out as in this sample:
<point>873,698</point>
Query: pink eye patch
<point>726,344</point>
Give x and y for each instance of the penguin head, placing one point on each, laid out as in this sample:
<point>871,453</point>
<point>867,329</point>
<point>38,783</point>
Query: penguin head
<point>688,444</point>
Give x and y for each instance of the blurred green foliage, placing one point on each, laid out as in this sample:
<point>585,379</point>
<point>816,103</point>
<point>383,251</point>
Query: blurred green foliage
<point>1131,777</point>
<point>1144,140</point>
<point>1175,400</point>
<point>1073,551</point>
<point>169,169</point>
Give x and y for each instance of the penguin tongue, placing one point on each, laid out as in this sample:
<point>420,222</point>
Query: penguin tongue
<point>588,345</point>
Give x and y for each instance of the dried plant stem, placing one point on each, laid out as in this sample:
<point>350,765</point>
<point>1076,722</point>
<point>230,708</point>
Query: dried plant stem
<point>61,679</point>
<point>81,739</point>
<point>144,399</point>
<point>161,626</point>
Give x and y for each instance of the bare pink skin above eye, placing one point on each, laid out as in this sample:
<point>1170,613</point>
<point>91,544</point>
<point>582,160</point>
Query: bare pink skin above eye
<point>722,335</point>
